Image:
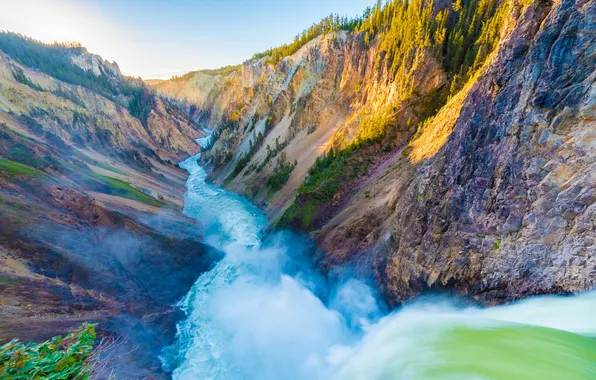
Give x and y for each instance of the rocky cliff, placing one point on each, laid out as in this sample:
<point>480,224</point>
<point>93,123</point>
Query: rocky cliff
<point>425,173</point>
<point>91,228</point>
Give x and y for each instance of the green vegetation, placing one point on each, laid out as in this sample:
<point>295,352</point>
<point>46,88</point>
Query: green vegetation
<point>58,359</point>
<point>16,169</point>
<point>281,174</point>
<point>255,143</point>
<point>20,76</point>
<point>113,186</point>
<point>327,178</point>
<point>32,162</point>
<point>374,127</point>
<point>8,281</point>
<point>65,94</point>
<point>225,71</point>
<point>55,60</point>
<point>240,165</point>
<point>473,35</point>
<point>299,215</point>
<point>25,154</point>
<point>272,152</point>
<point>460,37</point>
<point>329,24</point>
<point>141,104</point>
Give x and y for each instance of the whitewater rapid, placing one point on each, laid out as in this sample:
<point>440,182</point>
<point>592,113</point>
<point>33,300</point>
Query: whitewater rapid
<point>263,313</point>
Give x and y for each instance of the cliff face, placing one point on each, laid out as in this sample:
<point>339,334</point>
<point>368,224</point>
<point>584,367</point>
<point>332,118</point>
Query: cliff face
<point>311,101</point>
<point>503,207</point>
<point>489,192</point>
<point>85,118</point>
<point>91,228</point>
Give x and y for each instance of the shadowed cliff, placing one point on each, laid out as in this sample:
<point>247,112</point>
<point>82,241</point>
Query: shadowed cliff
<point>91,228</point>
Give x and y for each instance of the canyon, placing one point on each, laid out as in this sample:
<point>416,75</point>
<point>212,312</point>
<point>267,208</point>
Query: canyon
<point>408,156</point>
<point>490,195</point>
<point>91,228</point>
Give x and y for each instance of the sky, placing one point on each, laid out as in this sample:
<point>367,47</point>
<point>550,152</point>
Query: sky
<point>161,38</point>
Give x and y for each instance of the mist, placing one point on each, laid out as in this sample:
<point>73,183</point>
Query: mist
<point>263,312</point>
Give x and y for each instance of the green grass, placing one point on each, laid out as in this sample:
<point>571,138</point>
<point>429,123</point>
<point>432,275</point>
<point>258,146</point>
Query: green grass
<point>298,215</point>
<point>108,167</point>
<point>17,169</point>
<point>8,281</point>
<point>120,188</point>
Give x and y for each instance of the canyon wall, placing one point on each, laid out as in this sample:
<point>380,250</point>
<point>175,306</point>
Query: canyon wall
<point>484,187</point>
<point>91,228</point>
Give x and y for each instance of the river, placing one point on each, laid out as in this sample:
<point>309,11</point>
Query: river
<point>263,313</point>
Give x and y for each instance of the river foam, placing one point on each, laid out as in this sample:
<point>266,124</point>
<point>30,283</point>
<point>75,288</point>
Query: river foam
<point>263,313</point>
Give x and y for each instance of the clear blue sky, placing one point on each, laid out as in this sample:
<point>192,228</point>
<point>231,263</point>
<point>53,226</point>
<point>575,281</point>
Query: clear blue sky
<point>157,38</point>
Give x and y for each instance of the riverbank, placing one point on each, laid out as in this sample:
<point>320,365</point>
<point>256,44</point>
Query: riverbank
<point>264,312</point>
<point>120,255</point>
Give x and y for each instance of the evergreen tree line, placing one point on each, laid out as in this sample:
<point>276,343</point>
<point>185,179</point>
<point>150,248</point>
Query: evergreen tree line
<point>54,60</point>
<point>460,35</point>
<point>329,24</point>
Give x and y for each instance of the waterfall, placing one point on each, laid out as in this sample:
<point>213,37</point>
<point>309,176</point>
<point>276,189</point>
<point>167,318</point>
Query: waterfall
<point>259,314</point>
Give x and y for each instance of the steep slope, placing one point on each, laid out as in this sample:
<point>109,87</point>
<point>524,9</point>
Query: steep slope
<point>450,153</point>
<point>500,202</point>
<point>91,228</point>
<point>98,108</point>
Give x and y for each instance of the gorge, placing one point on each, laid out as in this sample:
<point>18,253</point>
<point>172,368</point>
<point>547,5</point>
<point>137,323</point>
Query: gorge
<point>406,194</point>
<point>264,313</point>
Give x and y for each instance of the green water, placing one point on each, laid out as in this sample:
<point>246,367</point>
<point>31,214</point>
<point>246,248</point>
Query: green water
<point>539,339</point>
<point>254,317</point>
<point>517,352</point>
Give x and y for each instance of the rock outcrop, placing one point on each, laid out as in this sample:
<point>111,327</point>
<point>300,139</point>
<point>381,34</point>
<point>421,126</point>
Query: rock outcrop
<point>506,207</point>
<point>91,228</point>
<point>489,193</point>
<point>85,118</point>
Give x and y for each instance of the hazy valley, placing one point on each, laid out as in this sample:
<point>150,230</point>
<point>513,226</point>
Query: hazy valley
<point>305,198</point>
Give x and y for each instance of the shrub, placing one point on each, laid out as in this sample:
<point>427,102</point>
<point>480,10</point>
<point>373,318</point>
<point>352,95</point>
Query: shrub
<point>58,358</point>
<point>20,76</point>
<point>141,104</point>
<point>240,165</point>
<point>280,175</point>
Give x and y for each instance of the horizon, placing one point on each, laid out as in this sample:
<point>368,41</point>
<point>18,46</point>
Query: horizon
<point>158,40</point>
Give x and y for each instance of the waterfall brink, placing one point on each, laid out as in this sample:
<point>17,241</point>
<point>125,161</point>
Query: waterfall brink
<point>258,314</point>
